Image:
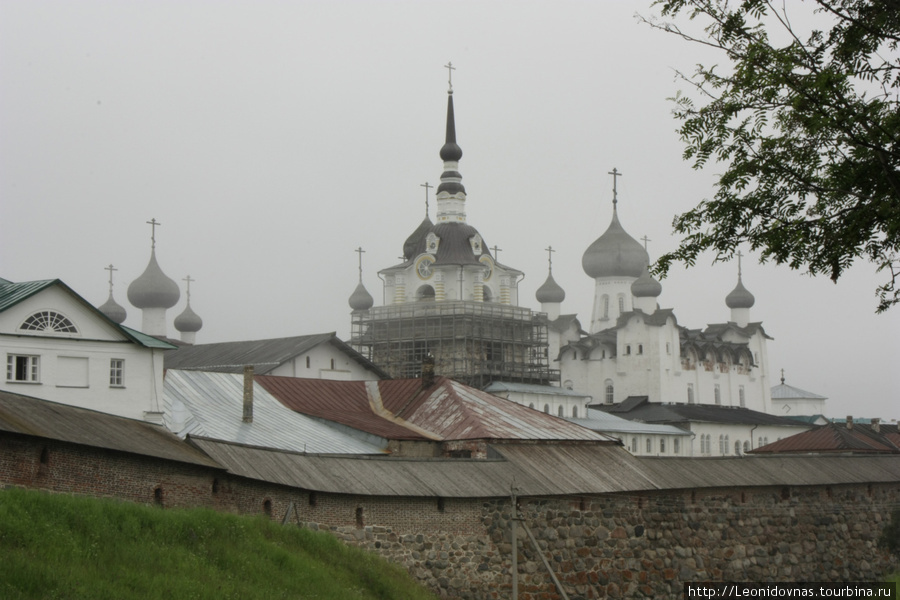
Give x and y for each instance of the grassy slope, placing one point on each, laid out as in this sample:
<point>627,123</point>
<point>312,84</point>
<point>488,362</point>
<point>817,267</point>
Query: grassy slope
<point>56,546</point>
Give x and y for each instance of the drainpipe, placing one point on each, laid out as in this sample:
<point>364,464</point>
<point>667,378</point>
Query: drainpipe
<point>752,429</point>
<point>248,394</point>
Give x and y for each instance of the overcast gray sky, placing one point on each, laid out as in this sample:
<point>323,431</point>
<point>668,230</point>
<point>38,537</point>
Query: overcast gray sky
<point>270,139</point>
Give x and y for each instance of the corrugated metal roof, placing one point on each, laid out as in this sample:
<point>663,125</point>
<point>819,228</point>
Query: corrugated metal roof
<point>50,420</point>
<point>214,403</point>
<point>542,470</point>
<point>344,402</point>
<point>455,411</point>
<point>835,437</point>
<point>531,388</point>
<point>638,408</point>
<point>597,420</point>
<point>262,355</point>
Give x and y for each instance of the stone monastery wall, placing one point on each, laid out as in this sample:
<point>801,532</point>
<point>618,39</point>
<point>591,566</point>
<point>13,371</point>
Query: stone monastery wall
<point>614,545</point>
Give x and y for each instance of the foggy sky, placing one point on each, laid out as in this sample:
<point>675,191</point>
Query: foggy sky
<point>271,139</point>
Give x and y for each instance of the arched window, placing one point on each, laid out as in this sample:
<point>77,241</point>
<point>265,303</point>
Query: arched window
<point>547,408</point>
<point>746,446</point>
<point>727,445</point>
<point>574,412</point>
<point>718,392</point>
<point>610,391</point>
<point>568,384</point>
<point>48,321</point>
<point>737,447</point>
<point>605,307</point>
<point>531,405</point>
<point>662,445</point>
<point>486,294</point>
<point>649,446</point>
<point>721,444</point>
<point>425,294</point>
<point>704,444</point>
<point>621,304</point>
<point>561,411</point>
<point>742,397</point>
<point>634,445</point>
<point>307,362</point>
<point>690,393</point>
<point>676,446</point>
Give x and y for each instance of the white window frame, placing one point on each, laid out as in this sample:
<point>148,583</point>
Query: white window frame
<point>32,368</point>
<point>117,372</point>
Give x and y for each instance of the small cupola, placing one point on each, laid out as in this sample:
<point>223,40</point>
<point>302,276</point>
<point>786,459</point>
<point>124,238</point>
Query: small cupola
<point>112,309</point>
<point>361,299</point>
<point>188,323</point>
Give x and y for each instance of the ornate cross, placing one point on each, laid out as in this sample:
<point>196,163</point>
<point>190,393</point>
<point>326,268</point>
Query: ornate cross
<point>496,251</point>
<point>550,252</point>
<point>110,268</point>
<point>188,279</point>
<point>616,174</point>
<point>360,252</point>
<point>739,255</point>
<point>153,223</point>
<point>645,239</point>
<point>450,68</point>
<point>427,187</point>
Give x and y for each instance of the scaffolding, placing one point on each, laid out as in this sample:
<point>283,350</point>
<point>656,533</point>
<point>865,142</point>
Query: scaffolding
<point>472,342</point>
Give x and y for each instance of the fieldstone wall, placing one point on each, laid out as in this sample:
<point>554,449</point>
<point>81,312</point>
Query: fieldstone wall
<point>646,545</point>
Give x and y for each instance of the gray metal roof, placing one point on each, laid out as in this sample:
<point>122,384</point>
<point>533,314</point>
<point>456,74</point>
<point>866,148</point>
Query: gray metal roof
<point>541,470</point>
<point>211,405</point>
<point>531,388</point>
<point>789,392</point>
<point>263,355</point>
<point>638,408</point>
<point>51,420</point>
<point>597,420</point>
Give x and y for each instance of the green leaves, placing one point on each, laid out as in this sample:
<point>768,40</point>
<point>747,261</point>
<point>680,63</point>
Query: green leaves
<point>809,132</point>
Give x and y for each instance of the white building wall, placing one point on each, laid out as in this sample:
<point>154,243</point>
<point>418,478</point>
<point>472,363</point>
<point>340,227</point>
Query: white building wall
<point>324,362</point>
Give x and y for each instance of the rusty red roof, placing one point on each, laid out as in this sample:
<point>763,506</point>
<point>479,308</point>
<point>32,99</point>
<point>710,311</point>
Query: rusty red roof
<point>835,437</point>
<point>402,409</point>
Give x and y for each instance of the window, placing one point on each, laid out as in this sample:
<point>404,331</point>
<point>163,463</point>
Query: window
<point>746,446</point>
<point>634,445</point>
<point>23,368</point>
<point>742,397</point>
<point>116,372</point>
<point>609,391</point>
<point>605,307</point>
<point>640,348</point>
<point>574,412</point>
<point>649,446</point>
<point>668,347</point>
<point>48,321</point>
<point>72,371</point>
<point>628,349</point>
<point>307,362</point>
<point>621,304</point>
<point>547,408</point>
<point>690,393</point>
<point>676,446</point>
<point>332,364</point>
<point>737,447</point>
<point>727,445</point>
<point>531,405</point>
<point>704,444</point>
<point>718,392</point>
<point>662,445</point>
<point>560,411</point>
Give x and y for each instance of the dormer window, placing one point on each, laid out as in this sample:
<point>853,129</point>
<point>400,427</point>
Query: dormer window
<point>48,321</point>
<point>432,242</point>
<point>475,241</point>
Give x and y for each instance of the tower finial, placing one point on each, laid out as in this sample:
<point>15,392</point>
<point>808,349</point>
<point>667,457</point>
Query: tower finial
<point>496,251</point>
<point>427,186</point>
<point>153,223</point>
<point>450,68</point>
<point>110,268</point>
<point>645,239</point>
<point>616,174</point>
<point>360,252</point>
<point>550,252</point>
<point>739,255</point>
<point>782,377</point>
<point>188,279</point>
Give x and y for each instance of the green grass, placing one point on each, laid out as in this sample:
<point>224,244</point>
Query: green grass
<point>63,547</point>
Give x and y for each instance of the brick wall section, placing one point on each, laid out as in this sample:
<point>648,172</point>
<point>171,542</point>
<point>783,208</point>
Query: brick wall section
<point>640,545</point>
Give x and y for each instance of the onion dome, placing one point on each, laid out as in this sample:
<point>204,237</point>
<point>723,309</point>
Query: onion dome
<point>188,321</point>
<point>361,299</point>
<point>415,243</point>
<point>153,289</point>
<point>550,291</point>
<point>615,254</point>
<point>739,297</point>
<point>646,286</point>
<point>112,309</point>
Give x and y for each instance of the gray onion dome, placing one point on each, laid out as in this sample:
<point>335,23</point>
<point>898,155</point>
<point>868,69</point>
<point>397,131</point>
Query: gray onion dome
<point>646,286</point>
<point>739,297</point>
<point>188,321</point>
<point>615,254</point>
<point>361,299</point>
<point>153,289</point>
<point>415,243</point>
<point>550,291</point>
<point>113,310</point>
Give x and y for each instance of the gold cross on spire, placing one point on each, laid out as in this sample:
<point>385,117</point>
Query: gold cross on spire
<point>616,174</point>
<point>153,223</point>
<point>427,187</point>
<point>450,68</point>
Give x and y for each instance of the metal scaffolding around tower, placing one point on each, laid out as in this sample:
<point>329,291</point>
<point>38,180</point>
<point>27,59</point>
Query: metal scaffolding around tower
<point>472,342</point>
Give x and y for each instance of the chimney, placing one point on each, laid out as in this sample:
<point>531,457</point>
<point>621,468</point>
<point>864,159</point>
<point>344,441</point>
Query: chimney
<point>849,421</point>
<point>248,394</point>
<point>427,371</point>
<point>876,425</point>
